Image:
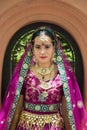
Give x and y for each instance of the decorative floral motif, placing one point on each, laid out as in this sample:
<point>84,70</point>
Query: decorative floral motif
<point>43,96</point>
<point>41,107</point>
<point>35,93</point>
<point>80,104</point>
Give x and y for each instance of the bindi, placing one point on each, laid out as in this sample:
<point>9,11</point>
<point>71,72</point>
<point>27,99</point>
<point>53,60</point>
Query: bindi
<point>43,44</point>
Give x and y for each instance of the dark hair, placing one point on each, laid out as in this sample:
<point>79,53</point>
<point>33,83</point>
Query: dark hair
<point>48,31</point>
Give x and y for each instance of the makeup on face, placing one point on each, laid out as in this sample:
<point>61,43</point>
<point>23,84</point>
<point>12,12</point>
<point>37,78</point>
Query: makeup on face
<point>43,45</point>
<point>43,50</point>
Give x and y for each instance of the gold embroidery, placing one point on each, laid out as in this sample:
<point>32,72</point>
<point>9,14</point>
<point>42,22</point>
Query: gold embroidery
<point>29,120</point>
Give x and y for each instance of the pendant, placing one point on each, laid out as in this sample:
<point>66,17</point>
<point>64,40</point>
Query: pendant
<point>45,85</point>
<point>45,94</point>
<point>44,71</point>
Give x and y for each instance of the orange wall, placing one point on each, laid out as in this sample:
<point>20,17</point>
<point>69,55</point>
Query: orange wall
<point>69,14</point>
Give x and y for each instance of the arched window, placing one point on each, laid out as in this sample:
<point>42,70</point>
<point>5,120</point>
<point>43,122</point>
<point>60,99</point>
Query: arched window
<point>19,41</point>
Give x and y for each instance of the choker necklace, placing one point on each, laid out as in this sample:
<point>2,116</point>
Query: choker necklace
<point>44,71</point>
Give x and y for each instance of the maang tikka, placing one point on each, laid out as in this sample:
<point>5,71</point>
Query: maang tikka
<point>43,37</point>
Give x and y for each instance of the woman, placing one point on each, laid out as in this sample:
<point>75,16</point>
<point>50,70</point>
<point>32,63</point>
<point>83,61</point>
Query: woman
<point>43,94</point>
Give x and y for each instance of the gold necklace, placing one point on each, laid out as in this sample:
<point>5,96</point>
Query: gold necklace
<point>44,84</point>
<point>44,71</point>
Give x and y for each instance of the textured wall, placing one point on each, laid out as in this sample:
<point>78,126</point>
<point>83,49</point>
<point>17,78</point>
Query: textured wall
<point>69,14</point>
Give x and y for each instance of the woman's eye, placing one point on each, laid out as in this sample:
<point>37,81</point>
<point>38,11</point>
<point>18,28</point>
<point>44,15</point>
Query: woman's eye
<point>37,47</point>
<point>47,46</point>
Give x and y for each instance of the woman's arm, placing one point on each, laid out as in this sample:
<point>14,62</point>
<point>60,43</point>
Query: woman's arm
<point>17,114</point>
<point>65,114</point>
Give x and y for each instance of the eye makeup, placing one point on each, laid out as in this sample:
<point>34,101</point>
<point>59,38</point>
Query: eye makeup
<point>46,46</point>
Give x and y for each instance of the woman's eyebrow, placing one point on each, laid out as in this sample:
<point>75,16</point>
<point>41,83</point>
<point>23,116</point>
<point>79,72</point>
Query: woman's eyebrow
<point>46,44</point>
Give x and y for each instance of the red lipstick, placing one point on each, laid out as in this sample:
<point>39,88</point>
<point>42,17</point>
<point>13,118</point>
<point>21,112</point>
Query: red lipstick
<point>43,57</point>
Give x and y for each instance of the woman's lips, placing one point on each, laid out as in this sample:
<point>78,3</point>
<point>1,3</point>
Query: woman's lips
<point>43,57</point>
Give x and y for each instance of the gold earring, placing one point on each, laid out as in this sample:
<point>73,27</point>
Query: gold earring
<point>34,59</point>
<point>54,57</point>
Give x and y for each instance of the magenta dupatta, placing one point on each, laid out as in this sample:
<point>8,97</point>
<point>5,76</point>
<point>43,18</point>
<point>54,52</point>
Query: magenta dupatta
<point>9,103</point>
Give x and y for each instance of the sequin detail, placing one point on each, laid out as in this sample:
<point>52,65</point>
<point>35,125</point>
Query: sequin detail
<point>29,120</point>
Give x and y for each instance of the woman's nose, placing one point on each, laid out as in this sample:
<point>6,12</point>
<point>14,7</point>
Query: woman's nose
<point>42,51</point>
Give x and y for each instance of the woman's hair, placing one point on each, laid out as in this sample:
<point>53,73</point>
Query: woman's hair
<point>47,31</point>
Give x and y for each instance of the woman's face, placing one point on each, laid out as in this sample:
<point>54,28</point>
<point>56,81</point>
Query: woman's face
<point>43,50</point>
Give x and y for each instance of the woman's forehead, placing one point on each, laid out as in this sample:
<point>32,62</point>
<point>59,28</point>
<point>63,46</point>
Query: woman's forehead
<point>42,40</point>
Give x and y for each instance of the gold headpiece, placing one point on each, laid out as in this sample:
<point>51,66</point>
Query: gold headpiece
<point>44,33</point>
<point>43,36</point>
